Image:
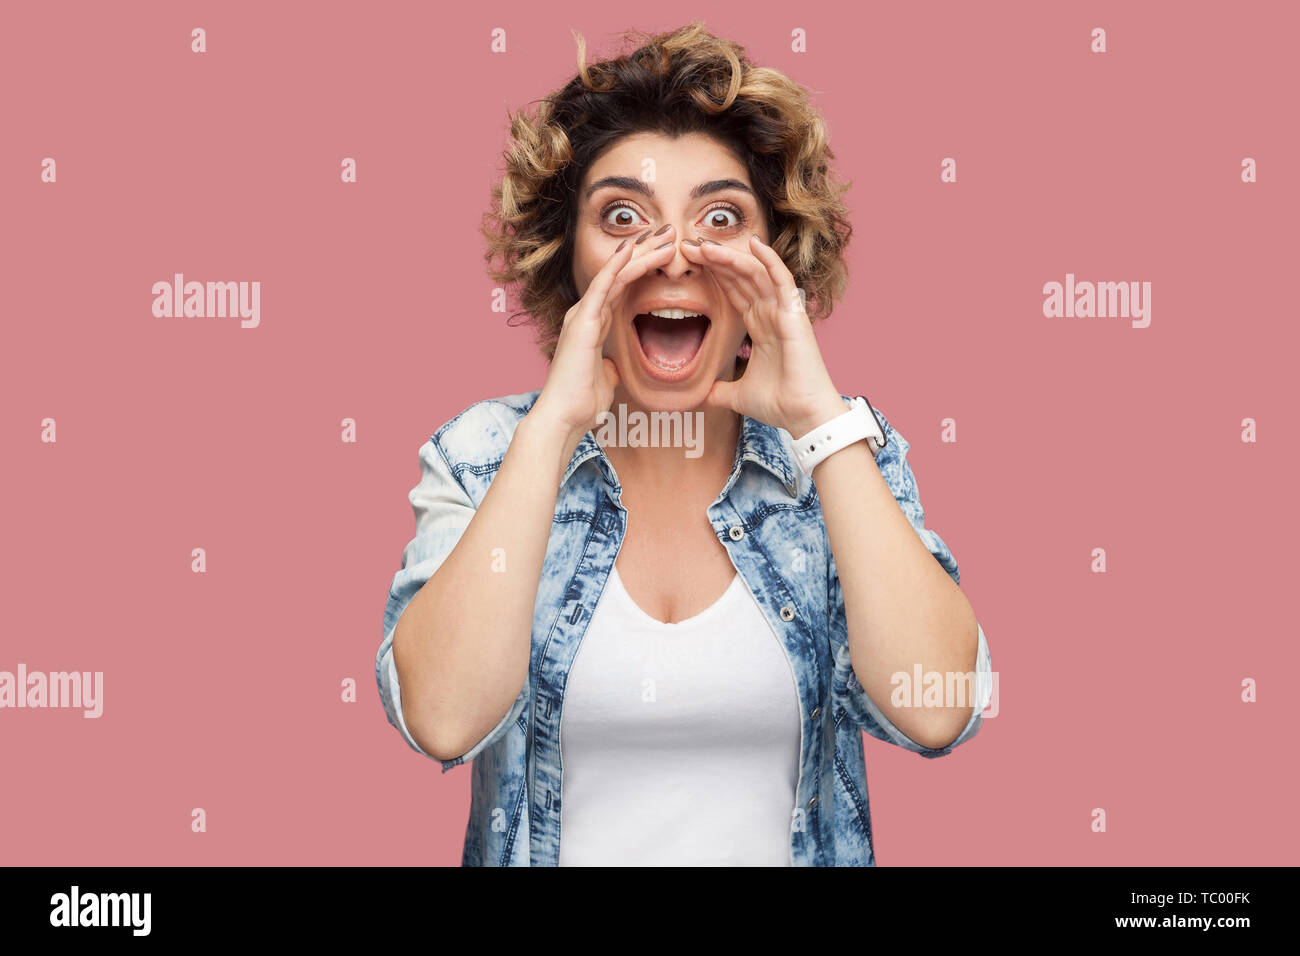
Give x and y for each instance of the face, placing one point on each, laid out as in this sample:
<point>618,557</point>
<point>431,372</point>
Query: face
<point>645,181</point>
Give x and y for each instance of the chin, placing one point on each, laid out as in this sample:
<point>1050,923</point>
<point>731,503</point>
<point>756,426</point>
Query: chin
<point>681,396</point>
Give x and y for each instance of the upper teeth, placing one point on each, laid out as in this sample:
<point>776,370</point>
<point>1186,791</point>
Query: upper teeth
<point>675,313</point>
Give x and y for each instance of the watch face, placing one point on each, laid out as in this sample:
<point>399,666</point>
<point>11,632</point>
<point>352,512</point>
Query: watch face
<point>883,440</point>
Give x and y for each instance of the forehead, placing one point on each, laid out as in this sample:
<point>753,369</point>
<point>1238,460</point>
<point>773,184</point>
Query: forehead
<point>678,162</point>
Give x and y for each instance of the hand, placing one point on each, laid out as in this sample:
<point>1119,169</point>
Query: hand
<point>786,383</point>
<point>581,381</point>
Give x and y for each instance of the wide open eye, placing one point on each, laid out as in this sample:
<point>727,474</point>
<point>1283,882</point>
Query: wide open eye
<point>620,216</point>
<point>723,218</point>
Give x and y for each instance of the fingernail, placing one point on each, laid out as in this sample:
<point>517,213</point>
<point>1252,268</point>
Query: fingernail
<point>642,238</point>
<point>664,228</point>
<point>756,239</point>
<point>664,246</point>
<point>621,245</point>
<point>692,242</point>
<point>712,242</point>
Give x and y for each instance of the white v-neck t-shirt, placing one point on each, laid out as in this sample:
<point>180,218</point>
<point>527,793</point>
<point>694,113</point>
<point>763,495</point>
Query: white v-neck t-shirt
<point>679,742</point>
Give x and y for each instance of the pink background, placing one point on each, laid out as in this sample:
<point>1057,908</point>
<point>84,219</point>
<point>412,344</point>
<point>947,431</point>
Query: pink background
<point>222,690</point>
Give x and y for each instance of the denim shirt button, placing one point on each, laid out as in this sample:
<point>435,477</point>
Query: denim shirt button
<point>787,613</point>
<point>813,801</point>
<point>817,712</point>
<point>736,532</point>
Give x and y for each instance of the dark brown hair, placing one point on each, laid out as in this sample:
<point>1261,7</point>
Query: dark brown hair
<point>680,82</point>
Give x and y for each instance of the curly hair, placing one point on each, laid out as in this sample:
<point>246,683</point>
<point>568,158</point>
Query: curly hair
<point>684,81</point>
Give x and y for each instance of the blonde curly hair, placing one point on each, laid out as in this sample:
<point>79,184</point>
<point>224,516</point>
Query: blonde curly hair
<point>684,81</point>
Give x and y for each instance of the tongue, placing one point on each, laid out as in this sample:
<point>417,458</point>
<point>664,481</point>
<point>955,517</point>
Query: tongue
<point>670,343</point>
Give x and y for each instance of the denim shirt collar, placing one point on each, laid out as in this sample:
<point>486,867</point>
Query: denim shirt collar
<point>759,443</point>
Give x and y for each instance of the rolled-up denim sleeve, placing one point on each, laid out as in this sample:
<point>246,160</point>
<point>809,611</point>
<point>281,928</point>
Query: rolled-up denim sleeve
<point>864,711</point>
<point>893,464</point>
<point>443,511</point>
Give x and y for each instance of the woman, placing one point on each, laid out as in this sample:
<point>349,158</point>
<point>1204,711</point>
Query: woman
<point>672,227</point>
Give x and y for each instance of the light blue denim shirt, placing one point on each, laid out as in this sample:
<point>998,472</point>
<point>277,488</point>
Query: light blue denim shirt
<point>769,520</point>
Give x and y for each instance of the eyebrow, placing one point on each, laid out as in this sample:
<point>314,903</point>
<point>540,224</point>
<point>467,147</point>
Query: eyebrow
<point>632,184</point>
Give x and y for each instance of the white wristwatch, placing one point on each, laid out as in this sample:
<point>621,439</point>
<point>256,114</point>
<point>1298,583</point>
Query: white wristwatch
<point>857,423</point>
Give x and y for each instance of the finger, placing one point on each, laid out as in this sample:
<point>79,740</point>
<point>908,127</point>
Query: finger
<point>739,297</point>
<point>722,395</point>
<point>780,275</point>
<point>588,307</point>
<point>601,283</point>
<point>748,270</point>
<point>629,273</point>
<point>748,277</point>
<point>661,252</point>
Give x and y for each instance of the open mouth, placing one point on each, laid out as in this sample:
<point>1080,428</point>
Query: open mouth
<point>670,338</point>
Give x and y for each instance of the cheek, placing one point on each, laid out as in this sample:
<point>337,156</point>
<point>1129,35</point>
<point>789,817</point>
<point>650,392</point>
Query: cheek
<point>592,244</point>
<point>731,330</point>
<point>581,275</point>
<point>734,325</point>
<point>588,256</point>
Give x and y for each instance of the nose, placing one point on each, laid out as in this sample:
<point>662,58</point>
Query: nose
<point>678,266</point>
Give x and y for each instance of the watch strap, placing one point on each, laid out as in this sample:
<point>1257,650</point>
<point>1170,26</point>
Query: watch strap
<point>858,423</point>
